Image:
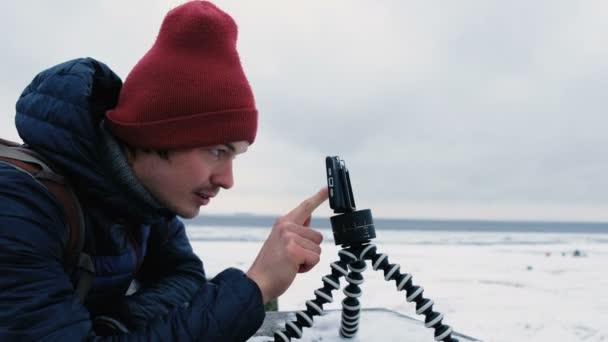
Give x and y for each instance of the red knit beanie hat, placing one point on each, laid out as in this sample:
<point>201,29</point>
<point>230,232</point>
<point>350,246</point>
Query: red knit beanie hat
<point>189,90</point>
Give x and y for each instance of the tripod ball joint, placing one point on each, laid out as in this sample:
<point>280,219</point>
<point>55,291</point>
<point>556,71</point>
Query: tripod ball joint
<point>353,228</point>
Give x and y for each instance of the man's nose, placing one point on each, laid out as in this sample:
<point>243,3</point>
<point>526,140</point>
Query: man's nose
<point>223,176</point>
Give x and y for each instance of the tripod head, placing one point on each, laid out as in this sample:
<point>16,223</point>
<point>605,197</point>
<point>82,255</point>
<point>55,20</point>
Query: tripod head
<point>351,227</point>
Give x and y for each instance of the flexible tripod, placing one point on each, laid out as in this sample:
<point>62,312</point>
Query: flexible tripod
<point>351,265</point>
<point>354,230</point>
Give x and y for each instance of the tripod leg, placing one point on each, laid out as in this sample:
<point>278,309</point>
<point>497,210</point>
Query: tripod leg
<point>403,281</point>
<point>323,295</point>
<point>351,308</point>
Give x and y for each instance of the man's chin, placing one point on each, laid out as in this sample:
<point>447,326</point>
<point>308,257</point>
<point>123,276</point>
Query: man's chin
<point>188,214</point>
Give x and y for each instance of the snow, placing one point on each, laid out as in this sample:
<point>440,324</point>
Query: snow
<point>490,286</point>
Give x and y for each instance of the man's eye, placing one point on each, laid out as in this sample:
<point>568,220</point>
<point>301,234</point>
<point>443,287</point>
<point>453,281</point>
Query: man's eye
<point>217,152</point>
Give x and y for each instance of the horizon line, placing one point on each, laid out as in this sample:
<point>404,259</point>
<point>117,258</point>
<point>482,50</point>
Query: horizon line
<point>426,219</point>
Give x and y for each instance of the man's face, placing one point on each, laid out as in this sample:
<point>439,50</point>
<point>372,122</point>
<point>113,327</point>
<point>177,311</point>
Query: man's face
<point>188,178</point>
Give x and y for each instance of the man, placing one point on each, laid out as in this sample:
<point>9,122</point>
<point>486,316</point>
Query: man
<point>136,156</point>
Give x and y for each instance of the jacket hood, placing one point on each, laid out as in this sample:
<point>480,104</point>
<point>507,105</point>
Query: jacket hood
<point>60,114</point>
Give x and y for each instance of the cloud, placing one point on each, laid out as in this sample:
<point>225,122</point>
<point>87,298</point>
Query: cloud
<point>439,106</point>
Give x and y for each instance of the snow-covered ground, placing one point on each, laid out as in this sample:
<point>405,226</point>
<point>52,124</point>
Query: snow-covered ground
<point>491,286</point>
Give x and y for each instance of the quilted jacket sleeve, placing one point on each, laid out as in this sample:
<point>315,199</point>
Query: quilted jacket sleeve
<point>171,275</point>
<point>38,303</point>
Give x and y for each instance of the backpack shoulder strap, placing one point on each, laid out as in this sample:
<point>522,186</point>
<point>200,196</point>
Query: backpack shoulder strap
<point>74,260</point>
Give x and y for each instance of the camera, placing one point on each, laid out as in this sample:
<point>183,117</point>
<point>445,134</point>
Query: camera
<point>341,198</point>
<point>351,226</point>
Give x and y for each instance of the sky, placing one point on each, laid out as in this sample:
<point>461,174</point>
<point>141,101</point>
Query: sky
<point>441,110</point>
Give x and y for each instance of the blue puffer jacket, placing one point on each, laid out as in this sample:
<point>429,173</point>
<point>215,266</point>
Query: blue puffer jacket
<point>129,236</point>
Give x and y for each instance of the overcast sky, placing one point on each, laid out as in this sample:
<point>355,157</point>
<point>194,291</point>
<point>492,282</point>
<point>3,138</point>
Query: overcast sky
<point>441,109</point>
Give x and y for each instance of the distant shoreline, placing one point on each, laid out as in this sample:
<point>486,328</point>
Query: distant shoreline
<point>241,220</point>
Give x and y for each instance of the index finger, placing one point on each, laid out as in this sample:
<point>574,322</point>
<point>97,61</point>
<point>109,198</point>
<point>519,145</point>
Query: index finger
<point>302,212</point>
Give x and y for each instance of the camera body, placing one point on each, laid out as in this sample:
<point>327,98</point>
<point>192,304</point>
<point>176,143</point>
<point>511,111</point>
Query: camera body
<point>351,226</point>
<point>341,198</point>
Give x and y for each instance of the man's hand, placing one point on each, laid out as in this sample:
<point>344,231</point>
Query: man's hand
<point>292,247</point>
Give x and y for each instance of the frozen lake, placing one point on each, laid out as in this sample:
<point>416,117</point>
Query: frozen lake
<point>495,286</point>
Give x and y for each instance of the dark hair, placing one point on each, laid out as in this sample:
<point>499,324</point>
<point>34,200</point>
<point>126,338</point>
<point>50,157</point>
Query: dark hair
<point>135,150</point>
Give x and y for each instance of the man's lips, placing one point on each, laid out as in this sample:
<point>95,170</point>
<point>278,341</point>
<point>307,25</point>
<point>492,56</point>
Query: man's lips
<point>205,194</point>
<point>204,197</point>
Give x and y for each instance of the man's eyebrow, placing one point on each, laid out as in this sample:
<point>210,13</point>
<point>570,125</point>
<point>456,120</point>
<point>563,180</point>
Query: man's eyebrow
<point>230,147</point>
